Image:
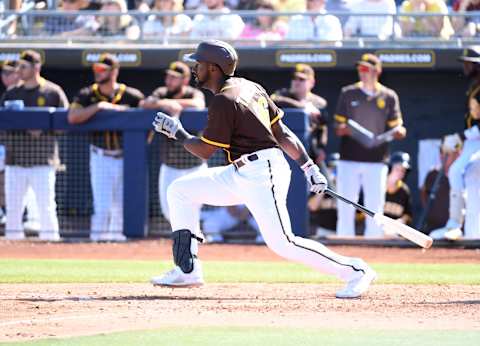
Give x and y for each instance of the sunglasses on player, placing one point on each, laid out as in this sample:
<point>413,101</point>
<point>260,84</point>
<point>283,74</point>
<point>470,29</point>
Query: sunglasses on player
<point>100,68</point>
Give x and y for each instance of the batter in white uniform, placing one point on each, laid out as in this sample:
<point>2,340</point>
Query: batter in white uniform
<point>246,124</point>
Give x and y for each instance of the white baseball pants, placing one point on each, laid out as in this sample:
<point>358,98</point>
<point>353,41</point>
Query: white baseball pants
<point>351,177</point>
<point>41,179</point>
<point>261,185</point>
<point>106,177</point>
<point>168,174</point>
<point>464,174</point>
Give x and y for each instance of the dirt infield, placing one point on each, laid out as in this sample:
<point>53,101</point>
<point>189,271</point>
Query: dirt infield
<point>39,311</point>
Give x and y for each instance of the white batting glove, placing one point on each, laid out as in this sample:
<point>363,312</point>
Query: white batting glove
<point>318,182</point>
<point>451,143</point>
<point>167,125</point>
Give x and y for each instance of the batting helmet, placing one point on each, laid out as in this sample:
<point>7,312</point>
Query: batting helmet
<point>399,157</point>
<point>216,52</point>
<point>471,54</point>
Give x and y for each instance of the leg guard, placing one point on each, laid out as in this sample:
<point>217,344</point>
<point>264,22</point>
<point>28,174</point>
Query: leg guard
<point>183,255</point>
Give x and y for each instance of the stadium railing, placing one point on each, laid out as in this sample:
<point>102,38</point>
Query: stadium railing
<point>141,161</point>
<point>458,29</point>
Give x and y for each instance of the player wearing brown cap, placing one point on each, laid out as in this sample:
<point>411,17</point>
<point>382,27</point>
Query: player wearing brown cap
<point>31,156</point>
<point>106,155</point>
<point>172,99</point>
<point>376,108</point>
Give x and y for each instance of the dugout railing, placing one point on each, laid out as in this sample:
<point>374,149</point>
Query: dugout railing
<point>141,161</point>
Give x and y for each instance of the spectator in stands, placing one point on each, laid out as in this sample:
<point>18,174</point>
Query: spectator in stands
<point>220,25</point>
<point>121,26</point>
<point>158,26</point>
<point>289,5</point>
<point>324,27</point>
<point>300,95</point>
<point>72,25</point>
<point>381,27</point>
<point>172,99</point>
<point>432,26</point>
<point>375,108</point>
<point>106,155</point>
<point>223,219</point>
<point>398,200</point>
<point>469,25</point>
<point>32,155</point>
<point>10,75</point>
<point>264,27</point>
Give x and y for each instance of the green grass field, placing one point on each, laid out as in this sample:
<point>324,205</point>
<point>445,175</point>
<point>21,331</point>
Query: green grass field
<point>80,271</point>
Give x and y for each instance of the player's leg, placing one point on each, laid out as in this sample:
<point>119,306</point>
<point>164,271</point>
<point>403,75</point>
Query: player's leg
<point>472,205</point>
<point>457,185</point>
<point>265,193</point>
<point>166,176</point>
<point>100,179</point>
<point>374,182</point>
<point>116,212</point>
<point>348,185</point>
<point>15,189</point>
<point>185,195</point>
<point>43,185</point>
<point>215,221</point>
<point>33,215</point>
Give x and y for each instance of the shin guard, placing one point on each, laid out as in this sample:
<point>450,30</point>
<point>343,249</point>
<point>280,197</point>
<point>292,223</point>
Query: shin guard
<point>182,249</point>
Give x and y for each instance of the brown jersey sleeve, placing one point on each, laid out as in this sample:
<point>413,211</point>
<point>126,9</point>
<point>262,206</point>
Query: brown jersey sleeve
<point>82,99</point>
<point>275,113</point>
<point>220,123</point>
<point>394,117</point>
<point>341,111</point>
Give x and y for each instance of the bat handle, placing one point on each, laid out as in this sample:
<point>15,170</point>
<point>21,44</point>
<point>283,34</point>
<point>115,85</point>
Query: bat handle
<point>355,205</point>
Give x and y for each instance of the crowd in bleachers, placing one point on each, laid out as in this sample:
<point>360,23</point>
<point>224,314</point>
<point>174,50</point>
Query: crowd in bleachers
<point>315,20</point>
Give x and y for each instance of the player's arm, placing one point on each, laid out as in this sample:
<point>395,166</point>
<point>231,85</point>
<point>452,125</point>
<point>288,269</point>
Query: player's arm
<point>294,148</point>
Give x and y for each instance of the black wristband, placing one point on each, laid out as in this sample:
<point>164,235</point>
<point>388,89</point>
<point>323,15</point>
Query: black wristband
<point>182,135</point>
<point>304,158</point>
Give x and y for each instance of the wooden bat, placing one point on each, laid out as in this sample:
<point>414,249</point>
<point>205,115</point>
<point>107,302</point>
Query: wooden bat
<point>389,224</point>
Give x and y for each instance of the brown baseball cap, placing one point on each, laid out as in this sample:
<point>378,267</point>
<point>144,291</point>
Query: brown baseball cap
<point>31,56</point>
<point>10,65</point>
<point>370,60</point>
<point>303,71</point>
<point>179,69</point>
<point>109,60</point>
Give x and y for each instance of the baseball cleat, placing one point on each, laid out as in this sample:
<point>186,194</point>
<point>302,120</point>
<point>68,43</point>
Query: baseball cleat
<point>175,278</point>
<point>20,235</point>
<point>356,287</point>
<point>49,236</point>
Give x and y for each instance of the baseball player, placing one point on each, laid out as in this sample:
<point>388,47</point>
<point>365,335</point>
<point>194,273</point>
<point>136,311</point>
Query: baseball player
<point>376,108</point>
<point>106,156</point>
<point>172,99</point>
<point>398,201</point>
<point>31,155</point>
<point>247,125</point>
<point>464,173</point>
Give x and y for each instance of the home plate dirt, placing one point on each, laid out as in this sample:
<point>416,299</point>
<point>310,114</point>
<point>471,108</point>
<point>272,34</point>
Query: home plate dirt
<point>60,310</point>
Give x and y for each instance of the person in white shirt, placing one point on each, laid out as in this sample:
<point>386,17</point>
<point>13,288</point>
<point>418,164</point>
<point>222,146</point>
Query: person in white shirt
<point>323,27</point>
<point>381,27</point>
<point>177,25</point>
<point>221,24</point>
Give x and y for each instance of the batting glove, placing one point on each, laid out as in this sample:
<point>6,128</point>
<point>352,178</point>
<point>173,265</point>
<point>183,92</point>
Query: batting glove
<point>318,182</point>
<point>167,125</point>
<point>451,143</point>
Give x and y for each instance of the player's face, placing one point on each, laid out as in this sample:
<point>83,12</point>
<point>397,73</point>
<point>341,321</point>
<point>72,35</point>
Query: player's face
<point>102,73</point>
<point>26,70</point>
<point>173,83</point>
<point>10,77</point>
<point>200,73</point>
<point>399,171</point>
<point>366,73</point>
<point>468,68</point>
<point>300,85</point>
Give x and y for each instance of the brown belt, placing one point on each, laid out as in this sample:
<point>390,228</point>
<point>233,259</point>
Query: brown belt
<point>239,163</point>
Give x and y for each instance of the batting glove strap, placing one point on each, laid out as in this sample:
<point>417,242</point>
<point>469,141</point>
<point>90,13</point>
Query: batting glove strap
<point>318,182</point>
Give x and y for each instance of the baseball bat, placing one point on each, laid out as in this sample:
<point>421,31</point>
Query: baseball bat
<point>389,224</point>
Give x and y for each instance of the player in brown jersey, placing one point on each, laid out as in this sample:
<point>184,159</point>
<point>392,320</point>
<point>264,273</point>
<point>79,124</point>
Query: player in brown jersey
<point>246,124</point>
<point>398,199</point>
<point>464,174</point>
